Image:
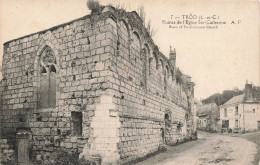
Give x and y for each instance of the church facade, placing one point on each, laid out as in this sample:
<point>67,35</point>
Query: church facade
<point>97,86</point>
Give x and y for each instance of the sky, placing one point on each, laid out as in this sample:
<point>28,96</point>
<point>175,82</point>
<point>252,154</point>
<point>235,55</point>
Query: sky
<point>216,59</point>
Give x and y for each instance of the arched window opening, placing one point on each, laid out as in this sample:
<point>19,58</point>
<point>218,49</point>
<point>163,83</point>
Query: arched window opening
<point>150,65</point>
<point>88,41</point>
<point>167,72</point>
<point>118,45</point>
<point>166,116</point>
<point>167,119</point>
<point>52,69</point>
<point>148,56</point>
<point>162,66</point>
<point>47,79</point>
<point>156,60</point>
<point>125,37</point>
<point>172,75</point>
<point>164,76</point>
<point>143,59</point>
<point>136,44</point>
<point>43,69</point>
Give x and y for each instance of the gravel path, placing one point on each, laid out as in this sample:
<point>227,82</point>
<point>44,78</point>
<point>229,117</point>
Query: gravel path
<point>210,149</point>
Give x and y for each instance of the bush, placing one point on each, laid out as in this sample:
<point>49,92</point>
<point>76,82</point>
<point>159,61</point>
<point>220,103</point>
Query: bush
<point>72,158</point>
<point>94,5</point>
<point>8,157</point>
<point>67,158</point>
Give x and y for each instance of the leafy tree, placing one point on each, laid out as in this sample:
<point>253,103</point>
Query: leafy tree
<point>94,5</point>
<point>220,99</point>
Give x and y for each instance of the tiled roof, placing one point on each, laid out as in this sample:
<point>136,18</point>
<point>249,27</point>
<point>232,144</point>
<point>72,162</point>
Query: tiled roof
<point>235,100</point>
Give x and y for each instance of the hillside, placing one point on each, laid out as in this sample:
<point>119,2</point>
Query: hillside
<point>220,99</point>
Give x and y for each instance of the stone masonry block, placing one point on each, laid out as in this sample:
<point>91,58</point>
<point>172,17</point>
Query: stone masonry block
<point>106,99</point>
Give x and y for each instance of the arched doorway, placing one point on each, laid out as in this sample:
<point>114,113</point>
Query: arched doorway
<point>184,127</point>
<point>167,127</point>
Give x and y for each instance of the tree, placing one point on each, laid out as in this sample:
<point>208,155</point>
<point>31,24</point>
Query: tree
<point>220,99</point>
<point>141,12</point>
<point>94,5</point>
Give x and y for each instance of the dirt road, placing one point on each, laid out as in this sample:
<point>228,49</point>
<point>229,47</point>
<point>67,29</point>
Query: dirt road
<point>209,149</point>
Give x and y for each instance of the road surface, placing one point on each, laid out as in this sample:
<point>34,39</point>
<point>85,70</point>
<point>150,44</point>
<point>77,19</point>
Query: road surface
<point>208,149</point>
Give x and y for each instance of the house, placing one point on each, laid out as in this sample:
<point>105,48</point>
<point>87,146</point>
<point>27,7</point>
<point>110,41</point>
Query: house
<point>208,117</point>
<point>196,104</point>
<point>242,113</point>
<point>97,86</point>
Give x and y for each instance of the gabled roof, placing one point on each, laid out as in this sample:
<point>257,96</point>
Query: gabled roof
<point>235,100</point>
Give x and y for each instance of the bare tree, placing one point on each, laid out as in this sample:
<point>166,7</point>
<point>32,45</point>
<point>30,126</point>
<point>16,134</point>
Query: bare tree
<point>141,12</point>
<point>151,30</point>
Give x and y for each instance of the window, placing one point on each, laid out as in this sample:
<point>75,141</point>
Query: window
<point>156,60</point>
<point>225,123</point>
<point>167,120</point>
<point>172,74</point>
<point>236,123</point>
<point>167,72</point>
<point>150,65</point>
<point>124,36</point>
<point>47,79</point>
<point>76,123</point>
<point>143,59</point>
<point>165,82</point>
<point>225,112</point>
<point>162,66</point>
<point>253,110</point>
<point>148,57</point>
<point>236,110</point>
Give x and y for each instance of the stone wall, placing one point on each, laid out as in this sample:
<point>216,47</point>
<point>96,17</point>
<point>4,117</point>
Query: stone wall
<point>104,65</point>
<point>145,89</point>
<point>250,117</point>
<point>7,155</point>
<point>82,52</point>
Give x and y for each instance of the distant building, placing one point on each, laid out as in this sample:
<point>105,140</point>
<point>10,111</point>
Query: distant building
<point>208,117</point>
<point>242,112</point>
<point>196,105</point>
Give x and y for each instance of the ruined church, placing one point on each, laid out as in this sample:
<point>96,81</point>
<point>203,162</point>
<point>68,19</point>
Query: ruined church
<point>97,86</point>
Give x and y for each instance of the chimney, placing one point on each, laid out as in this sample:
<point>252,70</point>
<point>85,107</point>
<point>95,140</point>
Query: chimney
<point>188,78</point>
<point>172,56</point>
<point>248,90</point>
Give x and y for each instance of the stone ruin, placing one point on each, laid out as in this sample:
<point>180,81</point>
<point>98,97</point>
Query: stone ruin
<point>97,86</point>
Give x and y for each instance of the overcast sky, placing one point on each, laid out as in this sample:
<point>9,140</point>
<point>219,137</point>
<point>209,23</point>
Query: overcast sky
<point>216,59</point>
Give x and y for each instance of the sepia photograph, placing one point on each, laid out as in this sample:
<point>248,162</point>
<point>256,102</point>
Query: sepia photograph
<point>122,82</point>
